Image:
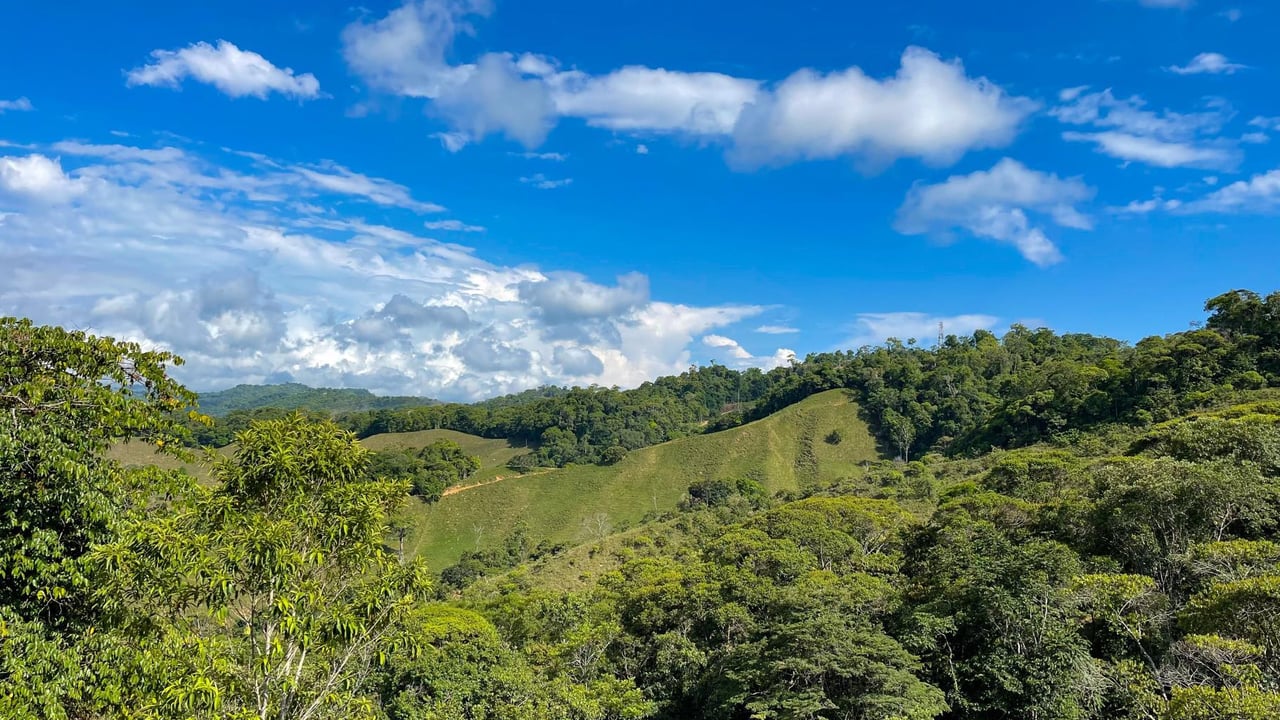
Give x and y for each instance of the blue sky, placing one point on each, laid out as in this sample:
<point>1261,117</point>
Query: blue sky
<point>464,198</point>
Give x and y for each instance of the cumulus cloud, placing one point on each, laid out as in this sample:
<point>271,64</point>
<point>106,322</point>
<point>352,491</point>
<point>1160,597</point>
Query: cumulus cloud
<point>21,104</point>
<point>234,72</point>
<point>577,361</point>
<point>1126,129</point>
<point>653,99</point>
<point>570,297</point>
<point>732,352</point>
<point>487,354</point>
<point>729,345</point>
<point>224,259</point>
<point>995,204</point>
<point>493,98</point>
<point>1208,63</point>
<point>1258,194</point>
<point>38,178</point>
<point>404,52</point>
<point>930,109</point>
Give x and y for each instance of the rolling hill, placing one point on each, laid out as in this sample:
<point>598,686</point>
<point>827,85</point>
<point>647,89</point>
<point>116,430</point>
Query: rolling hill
<point>788,450</point>
<point>785,451</point>
<point>295,396</point>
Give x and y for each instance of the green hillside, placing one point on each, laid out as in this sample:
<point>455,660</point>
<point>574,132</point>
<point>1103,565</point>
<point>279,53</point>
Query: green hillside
<point>139,453</point>
<point>296,396</point>
<point>493,454</point>
<point>785,451</point>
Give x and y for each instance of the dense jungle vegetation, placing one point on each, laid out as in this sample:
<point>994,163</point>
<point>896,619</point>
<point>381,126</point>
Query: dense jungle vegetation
<point>1063,527</point>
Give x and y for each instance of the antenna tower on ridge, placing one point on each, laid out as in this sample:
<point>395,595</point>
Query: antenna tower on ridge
<point>940,338</point>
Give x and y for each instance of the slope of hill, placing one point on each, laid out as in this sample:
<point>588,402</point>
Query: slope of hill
<point>138,453</point>
<point>295,396</point>
<point>493,453</point>
<point>785,451</point>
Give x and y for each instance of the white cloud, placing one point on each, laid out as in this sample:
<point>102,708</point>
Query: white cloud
<point>577,361</point>
<point>1208,62</point>
<point>653,99</point>
<point>118,152</point>
<point>235,72</point>
<point>552,156</point>
<point>38,178</point>
<point>1142,207</point>
<point>1255,138</point>
<point>1160,153</point>
<point>642,149</point>
<point>1266,123</point>
<point>930,109</point>
<point>452,141</point>
<point>1130,132</point>
<point>542,182</point>
<point>1232,14</point>
<point>335,178</point>
<point>1258,194</point>
<point>494,98</point>
<point>229,268</point>
<point>875,328</point>
<point>1178,4</point>
<point>569,297</point>
<point>777,329</point>
<point>452,226</point>
<point>730,350</point>
<point>994,204</point>
<point>404,52</point>
<point>729,345</point>
<point>21,104</point>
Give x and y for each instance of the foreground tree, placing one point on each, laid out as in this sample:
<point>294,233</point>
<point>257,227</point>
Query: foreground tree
<point>64,398</point>
<point>274,595</point>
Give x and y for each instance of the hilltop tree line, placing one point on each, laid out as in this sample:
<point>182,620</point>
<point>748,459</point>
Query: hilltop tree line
<point>965,396</point>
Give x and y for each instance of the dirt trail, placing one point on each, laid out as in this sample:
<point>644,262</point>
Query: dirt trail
<point>499,478</point>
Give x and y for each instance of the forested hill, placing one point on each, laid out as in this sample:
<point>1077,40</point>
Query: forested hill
<point>965,396</point>
<point>296,396</point>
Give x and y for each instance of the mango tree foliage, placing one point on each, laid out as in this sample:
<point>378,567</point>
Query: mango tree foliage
<point>64,398</point>
<point>782,617</point>
<point>992,618</point>
<point>1150,512</point>
<point>453,665</point>
<point>274,593</point>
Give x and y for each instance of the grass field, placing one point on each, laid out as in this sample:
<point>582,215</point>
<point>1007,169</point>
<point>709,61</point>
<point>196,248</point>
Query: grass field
<point>493,454</point>
<point>785,451</point>
<point>141,453</point>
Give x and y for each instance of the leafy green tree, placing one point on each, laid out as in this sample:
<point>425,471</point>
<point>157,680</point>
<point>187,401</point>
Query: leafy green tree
<point>429,470</point>
<point>64,398</point>
<point>274,593</point>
